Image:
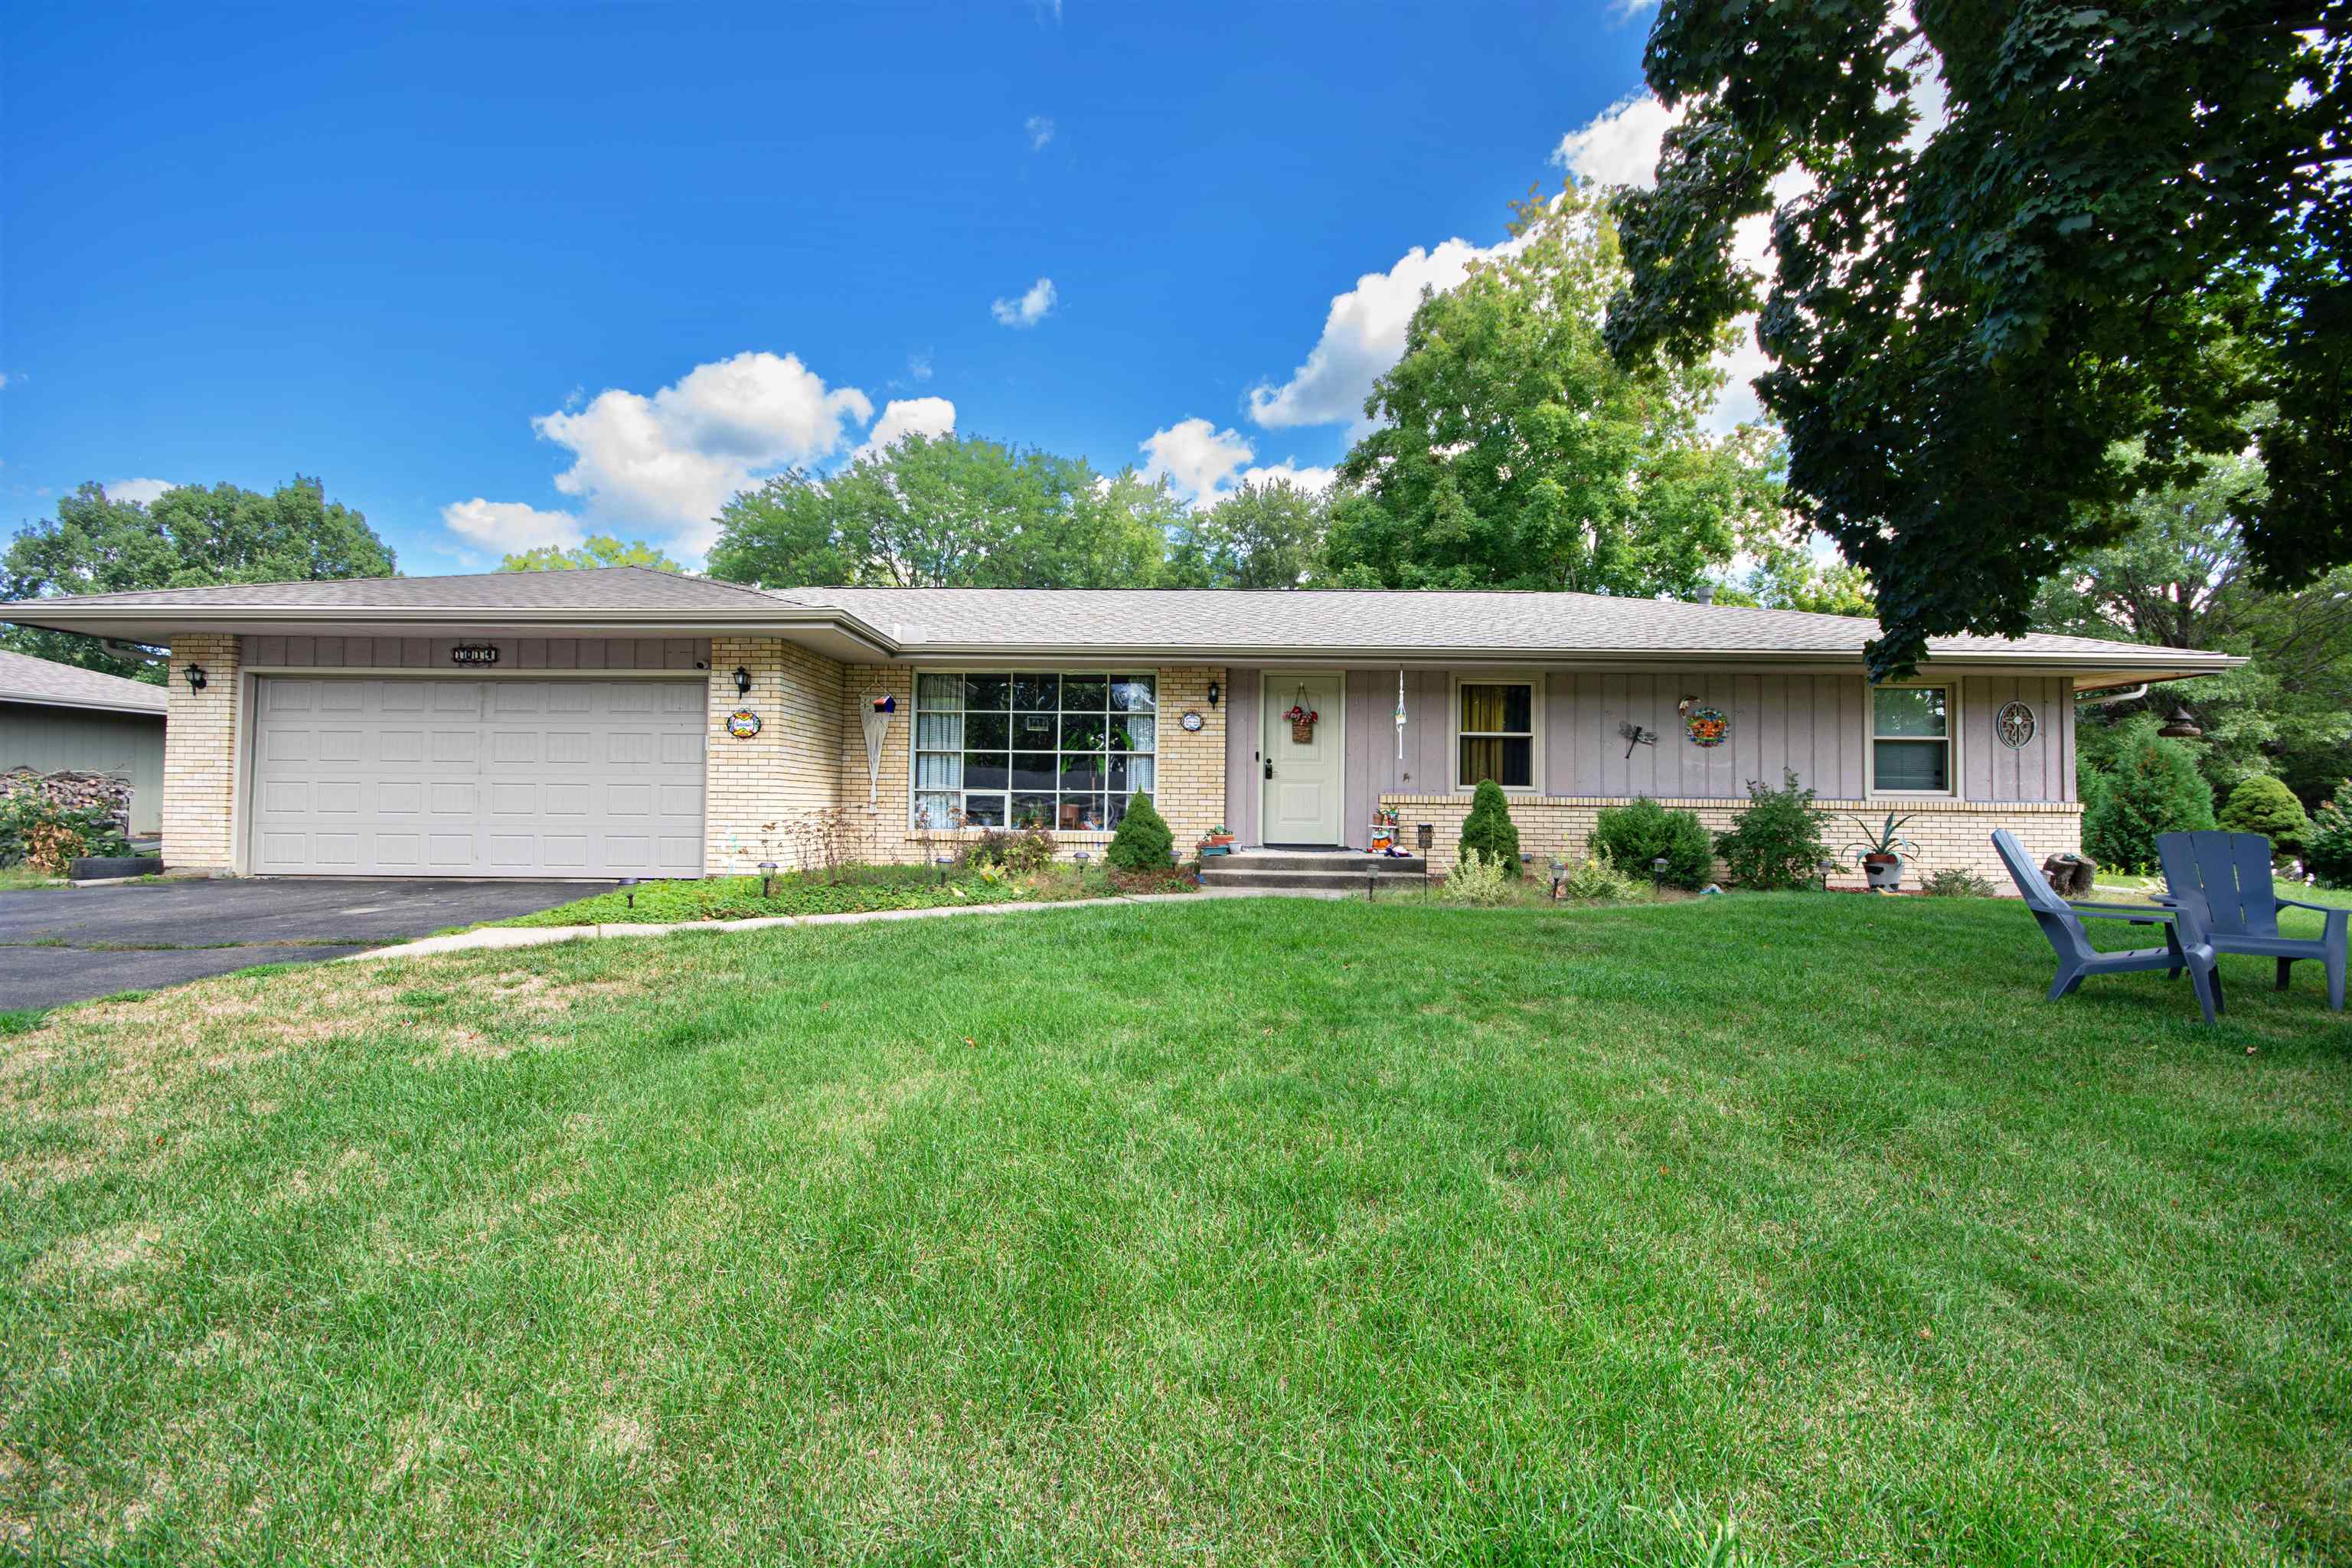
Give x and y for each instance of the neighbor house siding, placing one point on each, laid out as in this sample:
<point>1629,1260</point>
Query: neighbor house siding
<point>514,653</point>
<point>59,740</point>
<point>200,758</point>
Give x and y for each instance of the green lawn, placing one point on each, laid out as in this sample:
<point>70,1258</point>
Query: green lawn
<point>1225,1232</point>
<point>857,889</point>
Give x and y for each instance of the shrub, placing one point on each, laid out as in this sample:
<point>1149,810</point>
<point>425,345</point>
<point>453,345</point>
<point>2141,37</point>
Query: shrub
<point>1777,841</point>
<point>1028,850</point>
<point>1632,837</point>
<point>1488,830</point>
<point>39,831</point>
<point>2153,787</point>
<point>1143,842</point>
<point>1957,882</point>
<point>1478,878</point>
<point>2261,804</point>
<point>2328,842</point>
<point>1599,883</point>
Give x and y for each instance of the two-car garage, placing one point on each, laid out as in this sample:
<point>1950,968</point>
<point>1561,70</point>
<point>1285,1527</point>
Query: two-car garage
<point>407,775</point>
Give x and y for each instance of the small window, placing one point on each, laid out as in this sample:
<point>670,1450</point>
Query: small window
<point>1910,740</point>
<point>1498,733</point>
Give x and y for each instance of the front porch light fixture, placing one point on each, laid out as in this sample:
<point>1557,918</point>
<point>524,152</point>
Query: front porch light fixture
<point>743,681</point>
<point>196,673</point>
<point>1215,691</point>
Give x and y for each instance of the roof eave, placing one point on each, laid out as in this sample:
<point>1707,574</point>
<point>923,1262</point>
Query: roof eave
<point>29,700</point>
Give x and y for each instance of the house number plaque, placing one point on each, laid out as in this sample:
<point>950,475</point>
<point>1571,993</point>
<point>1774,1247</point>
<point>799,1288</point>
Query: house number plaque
<point>474,653</point>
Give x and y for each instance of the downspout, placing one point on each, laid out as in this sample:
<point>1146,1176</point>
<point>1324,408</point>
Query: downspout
<point>2130,694</point>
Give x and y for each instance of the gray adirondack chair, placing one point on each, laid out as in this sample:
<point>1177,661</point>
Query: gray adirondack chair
<point>2185,946</point>
<point>2225,879</point>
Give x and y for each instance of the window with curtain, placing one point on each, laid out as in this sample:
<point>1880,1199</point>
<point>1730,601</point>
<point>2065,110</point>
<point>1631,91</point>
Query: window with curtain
<point>1911,739</point>
<point>1059,751</point>
<point>1496,725</point>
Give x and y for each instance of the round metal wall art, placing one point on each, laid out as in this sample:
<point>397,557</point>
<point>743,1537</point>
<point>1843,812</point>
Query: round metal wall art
<point>742,724</point>
<point>1707,727</point>
<point>2015,724</point>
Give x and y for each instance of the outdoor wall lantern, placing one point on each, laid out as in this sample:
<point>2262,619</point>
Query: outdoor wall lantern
<point>1215,691</point>
<point>743,681</point>
<point>195,678</point>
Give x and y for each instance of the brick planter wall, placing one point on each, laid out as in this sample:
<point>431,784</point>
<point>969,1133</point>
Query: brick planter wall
<point>1948,833</point>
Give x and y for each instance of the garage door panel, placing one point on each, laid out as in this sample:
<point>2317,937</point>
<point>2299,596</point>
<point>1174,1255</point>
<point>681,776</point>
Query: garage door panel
<point>501,777</point>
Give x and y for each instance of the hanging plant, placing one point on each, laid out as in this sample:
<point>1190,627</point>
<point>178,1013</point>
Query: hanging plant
<point>1302,723</point>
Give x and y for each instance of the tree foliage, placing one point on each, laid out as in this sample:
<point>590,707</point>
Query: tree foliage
<point>1514,452</point>
<point>191,537</point>
<point>596,550</point>
<point>2328,842</point>
<point>2181,578</point>
<point>1262,536</point>
<point>2134,785</point>
<point>949,511</point>
<point>2130,235</point>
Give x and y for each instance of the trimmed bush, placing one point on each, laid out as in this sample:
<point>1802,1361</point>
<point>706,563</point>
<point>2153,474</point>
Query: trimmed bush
<point>1143,842</point>
<point>1632,837</point>
<point>2328,842</point>
<point>1477,879</point>
<point>2261,804</point>
<point>1777,842</point>
<point>2153,787</point>
<point>1488,830</point>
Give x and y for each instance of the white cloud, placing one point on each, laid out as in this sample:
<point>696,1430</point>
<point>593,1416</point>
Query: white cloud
<point>4,379</point>
<point>143,491</point>
<point>1619,145</point>
<point>668,462</point>
<point>918,366</point>
<point>1363,335</point>
<point>907,416</point>
<point>1203,463</point>
<point>1040,130</point>
<point>1028,311</point>
<point>510,527</point>
<point>662,465</point>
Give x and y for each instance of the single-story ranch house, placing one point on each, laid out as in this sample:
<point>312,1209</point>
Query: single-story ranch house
<point>631,722</point>
<point>57,718</point>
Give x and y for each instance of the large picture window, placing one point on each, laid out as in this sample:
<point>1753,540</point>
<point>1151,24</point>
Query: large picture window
<point>1911,739</point>
<point>1497,735</point>
<point>1053,751</point>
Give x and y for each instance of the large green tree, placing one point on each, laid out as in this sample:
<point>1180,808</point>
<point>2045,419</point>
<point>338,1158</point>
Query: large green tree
<point>1261,536</point>
<point>193,536</point>
<point>596,550</point>
<point>2181,578</point>
<point>949,511</point>
<point>1514,452</point>
<point>2132,231</point>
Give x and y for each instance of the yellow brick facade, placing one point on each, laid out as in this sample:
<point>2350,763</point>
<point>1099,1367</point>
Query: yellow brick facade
<point>200,736</point>
<point>757,791</point>
<point>1948,833</point>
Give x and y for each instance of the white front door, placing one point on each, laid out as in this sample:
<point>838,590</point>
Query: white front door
<point>1302,776</point>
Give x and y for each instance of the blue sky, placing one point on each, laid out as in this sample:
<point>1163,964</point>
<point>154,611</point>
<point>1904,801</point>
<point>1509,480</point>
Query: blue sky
<point>500,275</point>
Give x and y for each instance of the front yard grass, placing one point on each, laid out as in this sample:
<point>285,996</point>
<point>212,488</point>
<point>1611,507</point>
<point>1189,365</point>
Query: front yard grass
<point>1225,1232</point>
<point>858,889</point>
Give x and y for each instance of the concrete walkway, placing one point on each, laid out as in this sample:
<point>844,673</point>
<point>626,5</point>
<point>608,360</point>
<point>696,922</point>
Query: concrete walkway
<point>540,936</point>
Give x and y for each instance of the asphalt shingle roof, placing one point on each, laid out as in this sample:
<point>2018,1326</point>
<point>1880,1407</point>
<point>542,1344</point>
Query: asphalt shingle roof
<point>24,679</point>
<point>591,588</point>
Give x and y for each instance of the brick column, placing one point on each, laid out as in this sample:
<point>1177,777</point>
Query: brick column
<point>1191,774</point>
<point>200,755</point>
<point>754,790</point>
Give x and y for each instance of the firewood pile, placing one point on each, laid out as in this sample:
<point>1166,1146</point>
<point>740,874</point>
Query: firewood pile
<point>74,789</point>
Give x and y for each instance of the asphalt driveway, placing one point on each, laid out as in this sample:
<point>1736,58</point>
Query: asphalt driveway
<point>69,944</point>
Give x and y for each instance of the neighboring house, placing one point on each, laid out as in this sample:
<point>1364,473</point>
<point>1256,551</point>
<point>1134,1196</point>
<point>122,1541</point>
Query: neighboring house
<point>56,718</point>
<point>586,723</point>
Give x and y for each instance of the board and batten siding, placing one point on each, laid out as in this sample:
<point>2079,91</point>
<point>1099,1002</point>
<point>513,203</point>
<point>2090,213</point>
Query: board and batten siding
<point>514,653</point>
<point>1816,725</point>
<point>71,740</point>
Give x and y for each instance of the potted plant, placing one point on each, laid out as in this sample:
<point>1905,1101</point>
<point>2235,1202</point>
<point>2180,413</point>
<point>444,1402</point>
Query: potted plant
<point>1881,857</point>
<point>1218,840</point>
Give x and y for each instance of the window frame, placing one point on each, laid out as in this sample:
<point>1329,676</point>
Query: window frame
<point>1951,739</point>
<point>1533,680</point>
<point>916,752</point>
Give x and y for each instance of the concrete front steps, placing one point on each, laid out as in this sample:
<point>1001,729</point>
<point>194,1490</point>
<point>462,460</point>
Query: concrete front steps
<point>1312,870</point>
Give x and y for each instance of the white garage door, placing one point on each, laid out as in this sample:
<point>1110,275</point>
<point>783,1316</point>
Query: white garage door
<point>478,778</point>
